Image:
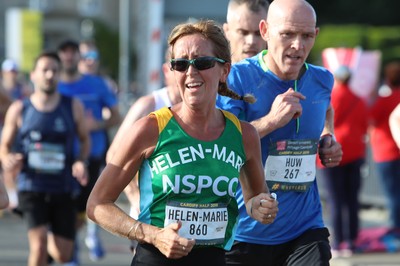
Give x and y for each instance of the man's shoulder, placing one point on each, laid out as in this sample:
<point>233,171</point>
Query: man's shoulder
<point>94,79</point>
<point>251,62</point>
<point>143,105</point>
<point>248,68</point>
<point>321,74</point>
<point>87,84</point>
<point>320,70</point>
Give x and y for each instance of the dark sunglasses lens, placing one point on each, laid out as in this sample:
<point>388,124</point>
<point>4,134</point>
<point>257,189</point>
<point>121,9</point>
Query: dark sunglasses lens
<point>204,63</point>
<point>180,65</point>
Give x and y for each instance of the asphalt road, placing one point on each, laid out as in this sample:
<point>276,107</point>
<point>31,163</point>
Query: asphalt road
<point>14,245</point>
<point>14,248</point>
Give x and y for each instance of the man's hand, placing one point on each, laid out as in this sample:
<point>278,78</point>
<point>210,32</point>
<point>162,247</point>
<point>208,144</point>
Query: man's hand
<point>286,107</point>
<point>263,208</point>
<point>12,162</point>
<point>79,171</point>
<point>330,152</point>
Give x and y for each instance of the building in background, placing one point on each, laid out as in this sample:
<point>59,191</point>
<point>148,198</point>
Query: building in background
<point>148,21</point>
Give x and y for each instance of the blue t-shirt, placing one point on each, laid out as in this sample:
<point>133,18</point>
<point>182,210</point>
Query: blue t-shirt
<point>95,95</point>
<point>298,211</point>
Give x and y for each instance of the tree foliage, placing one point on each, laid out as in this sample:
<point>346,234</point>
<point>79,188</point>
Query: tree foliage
<point>366,12</point>
<point>369,24</point>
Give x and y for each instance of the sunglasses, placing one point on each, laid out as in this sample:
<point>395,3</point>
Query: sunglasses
<point>200,63</point>
<point>93,55</point>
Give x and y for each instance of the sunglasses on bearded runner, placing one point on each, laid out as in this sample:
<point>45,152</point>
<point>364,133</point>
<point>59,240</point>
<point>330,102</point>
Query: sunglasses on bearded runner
<point>200,63</point>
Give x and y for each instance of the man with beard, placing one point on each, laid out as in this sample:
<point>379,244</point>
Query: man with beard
<point>44,127</point>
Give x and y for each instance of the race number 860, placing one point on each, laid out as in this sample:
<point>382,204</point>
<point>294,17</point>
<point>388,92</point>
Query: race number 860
<point>198,230</point>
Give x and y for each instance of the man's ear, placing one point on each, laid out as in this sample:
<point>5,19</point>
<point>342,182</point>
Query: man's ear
<point>225,27</point>
<point>316,31</point>
<point>264,29</point>
<point>32,75</point>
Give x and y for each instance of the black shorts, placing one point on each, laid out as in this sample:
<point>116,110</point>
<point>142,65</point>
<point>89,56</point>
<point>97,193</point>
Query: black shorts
<point>94,171</point>
<point>310,248</point>
<point>58,211</point>
<point>148,255</point>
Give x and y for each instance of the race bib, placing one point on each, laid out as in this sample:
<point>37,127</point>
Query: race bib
<point>205,222</point>
<point>46,157</point>
<point>291,165</point>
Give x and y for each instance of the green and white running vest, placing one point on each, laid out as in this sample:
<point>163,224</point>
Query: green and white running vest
<point>193,181</point>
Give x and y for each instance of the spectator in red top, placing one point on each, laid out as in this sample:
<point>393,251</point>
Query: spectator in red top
<point>384,149</point>
<point>343,182</point>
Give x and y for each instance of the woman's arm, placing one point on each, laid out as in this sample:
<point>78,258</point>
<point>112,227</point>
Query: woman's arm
<point>139,143</point>
<point>259,203</point>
